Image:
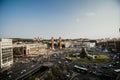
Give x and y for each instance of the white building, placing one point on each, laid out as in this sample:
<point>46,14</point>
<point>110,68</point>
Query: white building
<point>79,44</point>
<point>34,49</point>
<point>6,53</point>
<point>90,44</point>
<point>67,44</point>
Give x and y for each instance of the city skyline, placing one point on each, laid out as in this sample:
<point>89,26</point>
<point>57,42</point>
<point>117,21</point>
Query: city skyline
<point>60,18</point>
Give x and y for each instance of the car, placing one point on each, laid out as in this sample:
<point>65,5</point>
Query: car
<point>9,72</point>
<point>94,67</point>
<point>110,65</point>
<point>98,74</point>
<point>32,65</point>
<point>105,67</point>
<point>59,62</point>
<point>9,76</point>
<point>117,62</point>
<point>68,75</point>
<point>66,61</point>
<point>23,71</point>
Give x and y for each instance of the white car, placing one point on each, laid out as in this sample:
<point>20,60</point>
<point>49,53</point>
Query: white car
<point>23,71</point>
<point>59,62</point>
<point>32,65</point>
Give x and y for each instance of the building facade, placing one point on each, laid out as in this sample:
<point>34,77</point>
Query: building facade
<point>34,49</point>
<point>113,46</point>
<point>6,53</point>
<point>80,44</point>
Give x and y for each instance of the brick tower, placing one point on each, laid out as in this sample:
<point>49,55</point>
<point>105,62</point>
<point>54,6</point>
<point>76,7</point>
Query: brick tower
<point>52,43</point>
<point>60,43</point>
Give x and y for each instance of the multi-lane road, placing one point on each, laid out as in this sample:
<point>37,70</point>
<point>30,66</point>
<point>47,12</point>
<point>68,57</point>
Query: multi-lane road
<point>19,68</point>
<point>23,65</point>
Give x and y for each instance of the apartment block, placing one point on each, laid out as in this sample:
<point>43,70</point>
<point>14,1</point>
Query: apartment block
<point>6,53</point>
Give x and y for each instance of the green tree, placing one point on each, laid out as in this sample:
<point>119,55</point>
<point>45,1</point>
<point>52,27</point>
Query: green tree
<point>62,67</point>
<point>54,70</point>
<point>17,51</point>
<point>49,76</point>
<point>37,78</point>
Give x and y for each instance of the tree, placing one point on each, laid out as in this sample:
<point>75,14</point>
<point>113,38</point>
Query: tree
<point>49,76</point>
<point>62,67</point>
<point>54,70</point>
<point>17,51</point>
<point>37,78</point>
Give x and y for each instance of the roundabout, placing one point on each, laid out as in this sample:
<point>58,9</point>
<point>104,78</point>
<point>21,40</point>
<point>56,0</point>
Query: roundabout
<point>92,57</point>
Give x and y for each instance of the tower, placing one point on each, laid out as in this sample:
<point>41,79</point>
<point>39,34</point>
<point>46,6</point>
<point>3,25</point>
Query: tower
<point>6,54</point>
<point>52,43</point>
<point>60,43</point>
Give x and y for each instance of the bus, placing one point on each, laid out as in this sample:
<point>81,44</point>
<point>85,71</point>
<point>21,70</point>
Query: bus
<point>80,69</point>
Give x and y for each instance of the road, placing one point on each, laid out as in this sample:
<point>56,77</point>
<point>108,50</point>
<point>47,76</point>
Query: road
<point>23,65</point>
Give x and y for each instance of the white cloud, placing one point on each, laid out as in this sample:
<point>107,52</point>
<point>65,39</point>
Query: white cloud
<point>90,14</point>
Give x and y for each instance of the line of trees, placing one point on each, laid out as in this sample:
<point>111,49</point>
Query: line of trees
<point>18,51</point>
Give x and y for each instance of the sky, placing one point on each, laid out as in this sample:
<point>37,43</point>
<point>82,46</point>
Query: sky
<point>59,18</point>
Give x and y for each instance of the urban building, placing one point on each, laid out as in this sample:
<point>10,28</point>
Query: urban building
<point>34,49</point>
<point>6,54</point>
<point>67,44</point>
<point>80,44</point>
<point>113,45</point>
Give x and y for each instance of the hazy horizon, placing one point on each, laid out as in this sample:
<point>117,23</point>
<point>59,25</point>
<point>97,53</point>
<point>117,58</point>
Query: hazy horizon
<point>68,19</point>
